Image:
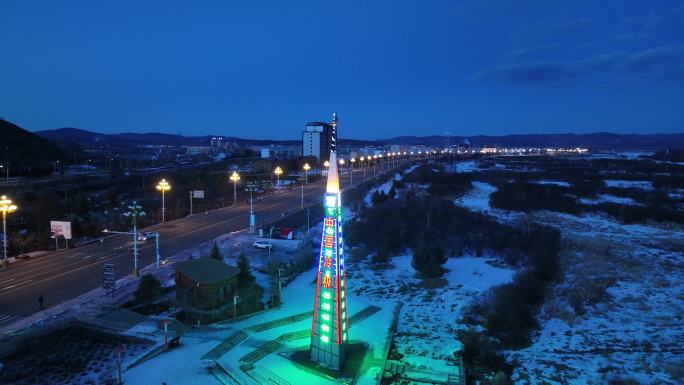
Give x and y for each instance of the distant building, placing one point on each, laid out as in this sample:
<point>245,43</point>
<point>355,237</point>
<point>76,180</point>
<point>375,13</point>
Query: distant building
<point>318,138</point>
<point>195,150</point>
<point>265,153</point>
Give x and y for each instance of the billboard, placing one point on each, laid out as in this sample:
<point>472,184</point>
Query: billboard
<point>60,229</point>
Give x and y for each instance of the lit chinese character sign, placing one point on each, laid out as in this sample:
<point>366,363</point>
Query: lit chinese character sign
<point>330,321</point>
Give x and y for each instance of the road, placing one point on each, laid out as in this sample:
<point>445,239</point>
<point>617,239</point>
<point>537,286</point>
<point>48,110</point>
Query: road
<point>66,274</point>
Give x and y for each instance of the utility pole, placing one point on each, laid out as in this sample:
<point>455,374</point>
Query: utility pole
<point>252,223</point>
<point>135,210</point>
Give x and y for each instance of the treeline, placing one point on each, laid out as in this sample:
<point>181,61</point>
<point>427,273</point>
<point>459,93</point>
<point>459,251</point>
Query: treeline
<point>654,205</point>
<point>441,183</point>
<point>433,228</point>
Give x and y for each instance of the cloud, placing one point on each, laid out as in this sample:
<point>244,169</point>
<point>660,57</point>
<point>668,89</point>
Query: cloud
<point>660,63</point>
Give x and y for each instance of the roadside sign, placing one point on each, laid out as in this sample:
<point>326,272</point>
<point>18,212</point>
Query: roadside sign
<point>198,193</point>
<point>60,229</point>
<point>108,276</point>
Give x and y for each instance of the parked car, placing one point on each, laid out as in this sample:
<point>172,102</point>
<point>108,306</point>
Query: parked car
<point>263,245</point>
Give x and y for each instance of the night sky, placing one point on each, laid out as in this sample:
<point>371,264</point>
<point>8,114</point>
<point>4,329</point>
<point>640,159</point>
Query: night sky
<point>262,69</point>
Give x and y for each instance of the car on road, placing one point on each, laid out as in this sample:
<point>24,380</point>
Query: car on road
<point>262,245</point>
<point>145,236</point>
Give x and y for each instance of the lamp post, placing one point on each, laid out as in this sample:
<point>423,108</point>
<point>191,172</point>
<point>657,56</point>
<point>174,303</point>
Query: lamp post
<point>6,207</point>
<point>306,172</point>
<point>364,169</point>
<point>252,223</point>
<point>135,210</point>
<point>375,162</point>
<point>341,162</point>
<point>6,167</point>
<point>302,204</point>
<point>278,171</point>
<point>235,177</point>
<point>163,186</point>
<point>326,164</point>
<point>351,176</point>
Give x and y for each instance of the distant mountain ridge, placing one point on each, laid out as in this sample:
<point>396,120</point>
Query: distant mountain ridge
<point>591,140</point>
<point>78,136</point>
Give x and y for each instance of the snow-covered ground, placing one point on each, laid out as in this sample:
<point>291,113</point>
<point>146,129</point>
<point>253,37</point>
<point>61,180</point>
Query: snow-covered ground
<point>426,329</point>
<point>385,188</point>
<point>635,330</point>
<point>468,166</point>
<point>601,198</point>
<point>642,184</point>
<point>556,182</point>
<point>477,199</point>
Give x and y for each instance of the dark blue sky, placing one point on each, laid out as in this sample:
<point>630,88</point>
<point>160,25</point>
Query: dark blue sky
<point>261,69</point>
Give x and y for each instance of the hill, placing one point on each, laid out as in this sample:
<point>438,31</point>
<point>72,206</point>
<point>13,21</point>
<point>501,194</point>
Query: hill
<point>26,152</point>
<point>69,135</point>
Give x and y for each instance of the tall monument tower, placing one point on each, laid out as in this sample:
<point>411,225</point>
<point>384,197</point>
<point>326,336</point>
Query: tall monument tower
<point>330,324</point>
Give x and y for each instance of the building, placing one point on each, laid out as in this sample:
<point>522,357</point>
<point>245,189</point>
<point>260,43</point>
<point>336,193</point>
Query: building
<point>319,138</point>
<point>330,322</point>
<point>205,284</point>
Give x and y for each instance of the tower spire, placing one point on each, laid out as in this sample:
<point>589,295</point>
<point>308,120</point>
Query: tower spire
<point>333,185</point>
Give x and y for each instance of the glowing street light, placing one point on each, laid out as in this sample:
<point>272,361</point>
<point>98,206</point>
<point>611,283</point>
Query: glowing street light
<point>163,186</point>
<point>278,171</point>
<point>364,169</point>
<point>235,177</point>
<point>135,211</point>
<point>6,207</point>
<point>6,172</point>
<point>306,172</point>
<point>351,176</point>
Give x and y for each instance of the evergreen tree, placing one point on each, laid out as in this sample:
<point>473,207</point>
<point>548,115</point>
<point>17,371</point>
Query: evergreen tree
<point>245,277</point>
<point>428,258</point>
<point>149,290</point>
<point>216,253</point>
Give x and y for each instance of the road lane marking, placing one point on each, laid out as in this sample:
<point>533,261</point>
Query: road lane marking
<point>16,284</point>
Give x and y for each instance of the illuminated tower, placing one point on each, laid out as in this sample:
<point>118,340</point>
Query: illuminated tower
<point>330,324</point>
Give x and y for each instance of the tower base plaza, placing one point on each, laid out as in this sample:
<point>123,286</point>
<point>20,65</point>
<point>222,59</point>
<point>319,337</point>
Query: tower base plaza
<point>275,342</point>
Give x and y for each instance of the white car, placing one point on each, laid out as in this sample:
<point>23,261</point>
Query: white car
<point>262,245</point>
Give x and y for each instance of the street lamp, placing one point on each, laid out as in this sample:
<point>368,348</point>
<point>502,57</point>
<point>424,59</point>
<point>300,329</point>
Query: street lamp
<point>163,186</point>
<point>135,211</point>
<point>278,171</point>
<point>6,207</point>
<point>306,172</point>
<point>364,169</point>
<point>6,172</point>
<point>375,161</point>
<point>351,176</point>
<point>235,177</point>
<point>326,164</point>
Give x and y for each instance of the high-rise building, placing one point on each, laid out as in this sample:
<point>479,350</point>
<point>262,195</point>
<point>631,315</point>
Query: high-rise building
<point>330,324</point>
<point>319,138</point>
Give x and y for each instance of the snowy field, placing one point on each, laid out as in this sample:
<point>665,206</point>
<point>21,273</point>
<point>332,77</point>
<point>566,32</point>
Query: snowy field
<point>631,324</point>
<point>426,330</point>
<point>385,187</point>
<point>642,184</point>
<point>602,198</point>
<point>618,312</point>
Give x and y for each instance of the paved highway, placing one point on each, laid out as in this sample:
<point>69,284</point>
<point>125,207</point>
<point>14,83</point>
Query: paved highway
<point>67,274</point>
